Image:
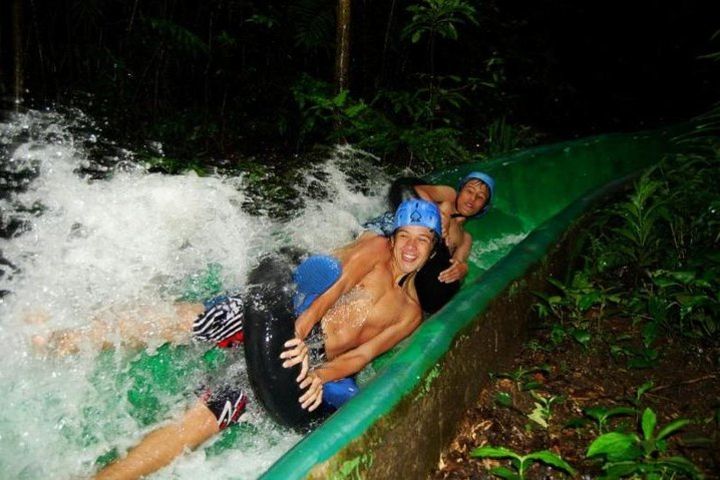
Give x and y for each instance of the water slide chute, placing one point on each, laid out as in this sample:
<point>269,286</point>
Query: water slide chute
<point>406,413</point>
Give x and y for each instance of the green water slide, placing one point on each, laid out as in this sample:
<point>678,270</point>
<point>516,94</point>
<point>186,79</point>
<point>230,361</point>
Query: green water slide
<point>404,416</point>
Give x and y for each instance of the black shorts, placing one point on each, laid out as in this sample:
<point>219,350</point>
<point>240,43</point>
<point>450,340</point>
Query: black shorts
<point>226,402</point>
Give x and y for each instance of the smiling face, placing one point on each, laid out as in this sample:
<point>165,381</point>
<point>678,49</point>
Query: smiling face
<point>412,246</point>
<point>473,196</point>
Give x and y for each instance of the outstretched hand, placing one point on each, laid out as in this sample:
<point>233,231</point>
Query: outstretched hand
<point>455,272</point>
<point>296,352</point>
<point>312,398</point>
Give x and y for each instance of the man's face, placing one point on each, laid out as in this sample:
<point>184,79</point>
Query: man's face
<point>412,246</point>
<point>472,198</point>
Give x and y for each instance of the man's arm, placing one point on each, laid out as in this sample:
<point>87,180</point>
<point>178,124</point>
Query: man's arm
<point>357,261</point>
<point>436,193</point>
<point>459,268</point>
<point>356,359</point>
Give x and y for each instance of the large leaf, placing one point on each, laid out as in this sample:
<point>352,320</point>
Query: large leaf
<point>494,452</point>
<point>681,464</point>
<point>588,300</point>
<point>621,469</point>
<point>649,421</point>
<point>615,446</point>
<point>504,472</point>
<point>621,411</point>
<point>672,427</point>
<point>552,459</point>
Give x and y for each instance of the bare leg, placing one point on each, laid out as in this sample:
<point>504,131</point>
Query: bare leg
<point>160,447</point>
<point>133,326</point>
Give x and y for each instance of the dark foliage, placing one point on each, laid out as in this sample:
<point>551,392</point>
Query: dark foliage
<point>228,78</point>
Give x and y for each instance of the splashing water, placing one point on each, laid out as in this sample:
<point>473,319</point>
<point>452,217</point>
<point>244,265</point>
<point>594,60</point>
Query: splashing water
<point>76,243</point>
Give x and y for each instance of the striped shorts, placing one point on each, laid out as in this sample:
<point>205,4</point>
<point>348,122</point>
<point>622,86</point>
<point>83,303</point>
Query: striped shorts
<point>221,322</point>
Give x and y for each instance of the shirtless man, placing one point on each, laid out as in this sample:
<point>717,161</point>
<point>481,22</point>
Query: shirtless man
<point>365,312</point>
<point>439,280</point>
<point>471,200</point>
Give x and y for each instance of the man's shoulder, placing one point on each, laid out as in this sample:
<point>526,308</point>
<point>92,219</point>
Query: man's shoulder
<point>411,311</point>
<point>370,250</point>
<point>375,243</point>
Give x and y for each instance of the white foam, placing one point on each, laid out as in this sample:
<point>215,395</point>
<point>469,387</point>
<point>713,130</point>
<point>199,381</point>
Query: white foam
<point>126,239</point>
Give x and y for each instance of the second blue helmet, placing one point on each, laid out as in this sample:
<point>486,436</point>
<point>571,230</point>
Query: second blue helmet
<point>487,180</point>
<point>418,212</point>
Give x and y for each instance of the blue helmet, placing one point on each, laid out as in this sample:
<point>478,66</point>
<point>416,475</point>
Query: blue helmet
<point>417,211</point>
<point>487,180</point>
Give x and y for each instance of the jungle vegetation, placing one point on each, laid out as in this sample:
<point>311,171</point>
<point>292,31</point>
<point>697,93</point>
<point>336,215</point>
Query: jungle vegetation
<point>422,82</point>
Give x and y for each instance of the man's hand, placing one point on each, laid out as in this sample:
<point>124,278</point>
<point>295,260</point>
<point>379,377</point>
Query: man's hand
<point>457,271</point>
<point>312,398</point>
<point>296,352</point>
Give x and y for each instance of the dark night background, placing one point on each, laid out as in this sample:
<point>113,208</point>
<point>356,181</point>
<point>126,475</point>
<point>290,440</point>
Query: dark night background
<point>253,90</point>
<point>236,78</point>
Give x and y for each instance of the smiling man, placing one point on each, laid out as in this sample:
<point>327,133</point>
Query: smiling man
<point>368,304</point>
<point>371,306</point>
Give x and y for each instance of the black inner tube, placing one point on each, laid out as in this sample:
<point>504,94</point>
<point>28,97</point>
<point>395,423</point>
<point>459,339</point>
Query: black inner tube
<point>270,322</point>
<point>432,293</point>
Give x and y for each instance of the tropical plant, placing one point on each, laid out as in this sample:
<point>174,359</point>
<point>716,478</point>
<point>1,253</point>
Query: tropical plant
<point>313,22</point>
<point>437,18</point>
<point>521,463</point>
<point>503,137</point>
<point>629,454</point>
<point>638,230</point>
<point>602,415</point>
<point>542,411</point>
<point>640,392</point>
<point>692,295</point>
<point>522,377</point>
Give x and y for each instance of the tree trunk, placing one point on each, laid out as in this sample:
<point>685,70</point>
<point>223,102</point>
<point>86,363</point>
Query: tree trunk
<point>342,51</point>
<point>386,42</point>
<point>18,57</point>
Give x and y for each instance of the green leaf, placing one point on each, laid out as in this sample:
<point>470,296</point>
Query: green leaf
<point>354,110</point>
<point>596,412</point>
<point>494,452</point>
<point>621,411</point>
<point>552,459</point>
<point>681,464</point>
<point>582,336</point>
<point>576,422</point>
<point>504,472</point>
<point>664,282</point>
<point>649,333</point>
<point>685,277</point>
<point>615,446</point>
<point>588,300</point>
<point>504,399</point>
<point>531,385</point>
<point>672,427</point>
<point>556,283</point>
<point>539,415</point>
<point>622,469</point>
<point>340,98</point>
<point>649,421</point>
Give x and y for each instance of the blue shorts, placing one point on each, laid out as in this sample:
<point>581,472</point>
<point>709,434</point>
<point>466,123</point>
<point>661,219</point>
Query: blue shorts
<point>382,225</point>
